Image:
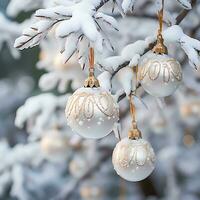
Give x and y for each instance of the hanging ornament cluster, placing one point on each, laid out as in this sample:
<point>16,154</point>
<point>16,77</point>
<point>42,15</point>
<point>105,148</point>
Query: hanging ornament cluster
<point>160,75</point>
<point>92,111</point>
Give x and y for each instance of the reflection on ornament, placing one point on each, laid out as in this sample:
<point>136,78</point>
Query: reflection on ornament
<point>92,112</point>
<point>133,160</point>
<point>54,145</point>
<point>159,74</point>
<point>91,192</point>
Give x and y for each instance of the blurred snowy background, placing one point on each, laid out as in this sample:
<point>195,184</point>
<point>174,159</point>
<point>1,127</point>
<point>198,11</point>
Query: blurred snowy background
<point>41,158</point>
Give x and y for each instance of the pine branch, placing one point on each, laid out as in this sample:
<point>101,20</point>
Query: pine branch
<point>184,13</point>
<point>101,4</point>
<point>31,37</point>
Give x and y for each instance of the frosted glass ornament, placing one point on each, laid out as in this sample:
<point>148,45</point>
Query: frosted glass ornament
<point>133,160</point>
<point>159,74</point>
<point>92,112</point>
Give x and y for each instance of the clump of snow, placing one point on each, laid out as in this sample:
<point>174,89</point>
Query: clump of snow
<point>185,4</point>
<point>74,23</point>
<point>128,5</point>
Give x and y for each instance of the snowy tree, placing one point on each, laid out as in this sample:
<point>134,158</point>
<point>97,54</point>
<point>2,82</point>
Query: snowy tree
<point>56,163</point>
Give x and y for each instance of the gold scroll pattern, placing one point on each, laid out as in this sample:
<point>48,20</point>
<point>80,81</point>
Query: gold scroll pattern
<point>85,104</point>
<point>128,156</point>
<point>169,69</point>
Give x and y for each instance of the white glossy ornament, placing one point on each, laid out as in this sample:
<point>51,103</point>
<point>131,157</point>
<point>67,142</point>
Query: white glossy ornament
<point>159,74</point>
<point>92,112</point>
<point>133,160</point>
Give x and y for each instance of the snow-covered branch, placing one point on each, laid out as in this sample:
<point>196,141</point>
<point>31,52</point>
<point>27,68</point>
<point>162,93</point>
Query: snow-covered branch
<point>79,26</point>
<point>38,113</point>
<point>131,54</point>
<point>187,7</point>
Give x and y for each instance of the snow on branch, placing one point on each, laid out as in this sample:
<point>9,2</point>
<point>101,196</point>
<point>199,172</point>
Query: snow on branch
<point>32,35</point>
<point>190,45</point>
<point>131,54</point>
<point>39,113</point>
<point>185,11</point>
<point>128,5</point>
<point>62,79</point>
<point>14,7</point>
<point>186,4</point>
<point>125,6</point>
<point>20,154</point>
<point>78,26</point>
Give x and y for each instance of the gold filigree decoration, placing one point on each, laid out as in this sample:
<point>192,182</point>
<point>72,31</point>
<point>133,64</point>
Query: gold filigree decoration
<point>170,69</point>
<point>84,104</point>
<point>127,156</point>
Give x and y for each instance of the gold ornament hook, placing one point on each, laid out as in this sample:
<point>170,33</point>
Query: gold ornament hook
<point>160,48</point>
<point>91,81</point>
<point>134,133</point>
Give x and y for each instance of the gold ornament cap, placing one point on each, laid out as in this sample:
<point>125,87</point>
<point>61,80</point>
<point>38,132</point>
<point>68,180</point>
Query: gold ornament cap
<point>134,133</point>
<point>160,48</point>
<point>91,81</point>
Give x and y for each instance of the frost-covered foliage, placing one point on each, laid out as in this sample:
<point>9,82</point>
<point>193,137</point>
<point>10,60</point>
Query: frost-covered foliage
<point>78,25</point>
<point>64,166</point>
<point>42,115</point>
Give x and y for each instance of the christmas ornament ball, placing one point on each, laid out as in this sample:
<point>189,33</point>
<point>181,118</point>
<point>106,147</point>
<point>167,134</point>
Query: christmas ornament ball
<point>133,160</point>
<point>92,112</point>
<point>159,74</point>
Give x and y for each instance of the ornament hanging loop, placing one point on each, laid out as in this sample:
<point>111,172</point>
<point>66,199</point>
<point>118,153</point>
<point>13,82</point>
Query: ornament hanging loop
<point>91,81</point>
<point>134,133</point>
<point>160,48</point>
<point>91,62</point>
